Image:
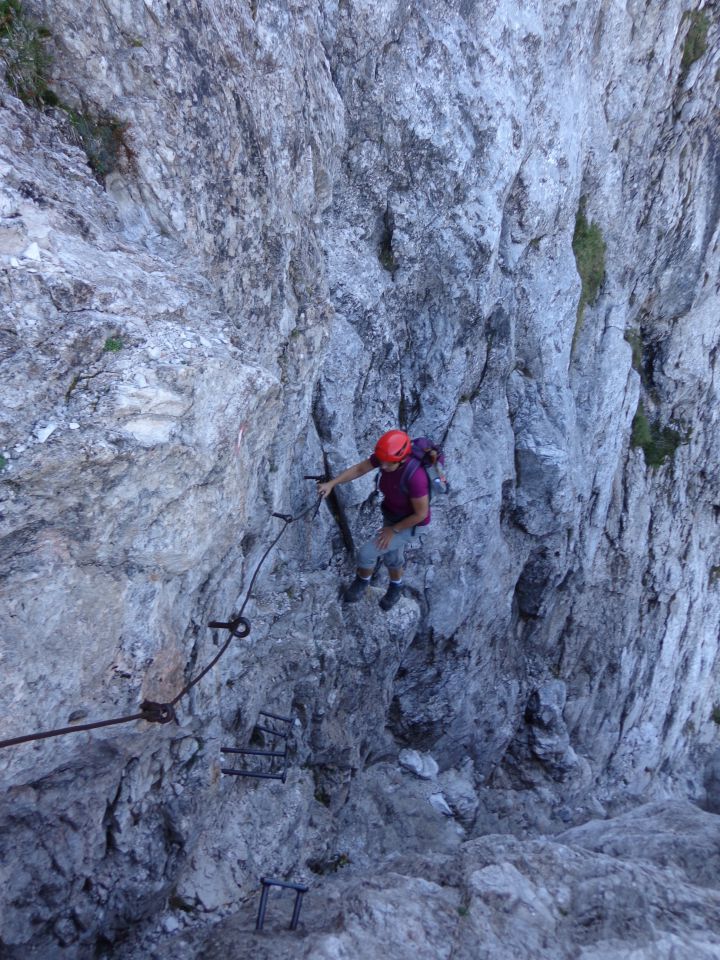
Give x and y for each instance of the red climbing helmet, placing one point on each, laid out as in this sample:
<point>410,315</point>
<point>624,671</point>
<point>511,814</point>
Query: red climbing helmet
<point>393,446</point>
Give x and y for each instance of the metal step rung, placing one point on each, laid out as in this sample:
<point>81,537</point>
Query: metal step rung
<point>252,773</point>
<point>277,733</point>
<point>299,888</point>
<point>255,752</point>
<point>276,716</point>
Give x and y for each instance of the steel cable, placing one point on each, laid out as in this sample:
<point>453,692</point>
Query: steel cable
<point>154,712</point>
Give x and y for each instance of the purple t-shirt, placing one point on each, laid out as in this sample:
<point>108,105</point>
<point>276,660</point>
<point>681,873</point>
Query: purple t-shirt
<point>395,501</point>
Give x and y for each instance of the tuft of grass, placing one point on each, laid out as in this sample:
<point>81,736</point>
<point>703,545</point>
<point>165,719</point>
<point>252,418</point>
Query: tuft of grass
<point>589,249</point>
<point>23,51</point>
<point>387,258</point>
<point>330,865</point>
<point>715,714</point>
<point>658,443</point>
<point>27,62</point>
<point>3,462</point>
<point>104,140</point>
<point>113,345</point>
<point>695,39</point>
<point>322,796</point>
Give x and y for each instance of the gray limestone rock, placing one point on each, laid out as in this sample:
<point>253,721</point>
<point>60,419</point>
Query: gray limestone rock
<point>421,764</point>
<point>584,894</point>
<point>712,782</point>
<point>321,220</point>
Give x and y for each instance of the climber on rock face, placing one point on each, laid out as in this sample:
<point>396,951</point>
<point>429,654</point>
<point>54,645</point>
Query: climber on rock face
<point>405,506</point>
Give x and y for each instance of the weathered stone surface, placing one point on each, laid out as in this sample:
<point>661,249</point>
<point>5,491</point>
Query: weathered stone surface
<point>421,764</point>
<point>631,887</point>
<point>328,219</point>
<point>712,783</point>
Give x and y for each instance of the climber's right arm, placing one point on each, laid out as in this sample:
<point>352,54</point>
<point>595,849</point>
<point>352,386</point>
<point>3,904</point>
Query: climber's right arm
<point>352,473</point>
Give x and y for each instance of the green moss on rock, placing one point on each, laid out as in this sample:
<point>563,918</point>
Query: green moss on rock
<point>24,54</point>
<point>695,39</point>
<point>589,249</point>
<point>658,443</point>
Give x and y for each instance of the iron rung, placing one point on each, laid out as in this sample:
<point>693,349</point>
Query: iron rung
<point>277,733</point>
<point>255,752</point>
<point>276,716</point>
<point>252,773</point>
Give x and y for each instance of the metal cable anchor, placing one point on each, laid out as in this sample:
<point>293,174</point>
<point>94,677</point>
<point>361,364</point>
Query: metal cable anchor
<point>157,712</point>
<point>239,627</point>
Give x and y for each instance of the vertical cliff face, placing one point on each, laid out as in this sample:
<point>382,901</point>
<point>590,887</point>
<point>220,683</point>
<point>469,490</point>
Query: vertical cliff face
<point>318,221</point>
<point>581,556</point>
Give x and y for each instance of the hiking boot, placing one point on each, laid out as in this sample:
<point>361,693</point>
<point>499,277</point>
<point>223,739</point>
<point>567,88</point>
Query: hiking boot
<point>394,592</point>
<point>356,589</point>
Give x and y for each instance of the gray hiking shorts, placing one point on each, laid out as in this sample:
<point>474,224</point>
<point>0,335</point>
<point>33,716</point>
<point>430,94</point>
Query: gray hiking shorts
<point>393,557</point>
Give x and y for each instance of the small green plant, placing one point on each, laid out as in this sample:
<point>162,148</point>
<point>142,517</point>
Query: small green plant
<point>24,54</point>
<point>104,140</point>
<point>27,62</point>
<point>3,462</point>
<point>329,865</point>
<point>112,345</point>
<point>658,443</point>
<point>589,249</point>
<point>714,575</point>
<point>715,714</point>
<point>386,256</point>
<point>463,911</point>
<point>322,796</point>
<point>695,39</point>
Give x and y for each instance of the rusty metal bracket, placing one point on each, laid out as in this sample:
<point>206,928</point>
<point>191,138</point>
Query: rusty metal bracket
<point>157,712</point>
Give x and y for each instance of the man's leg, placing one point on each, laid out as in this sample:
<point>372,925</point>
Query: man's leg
<point>367,557</point>
<point>394,560</point>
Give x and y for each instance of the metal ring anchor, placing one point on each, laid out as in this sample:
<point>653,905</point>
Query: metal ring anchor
<point>232,626</point>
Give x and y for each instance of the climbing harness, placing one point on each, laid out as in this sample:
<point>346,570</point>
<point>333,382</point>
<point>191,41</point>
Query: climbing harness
<point>152,712</point>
